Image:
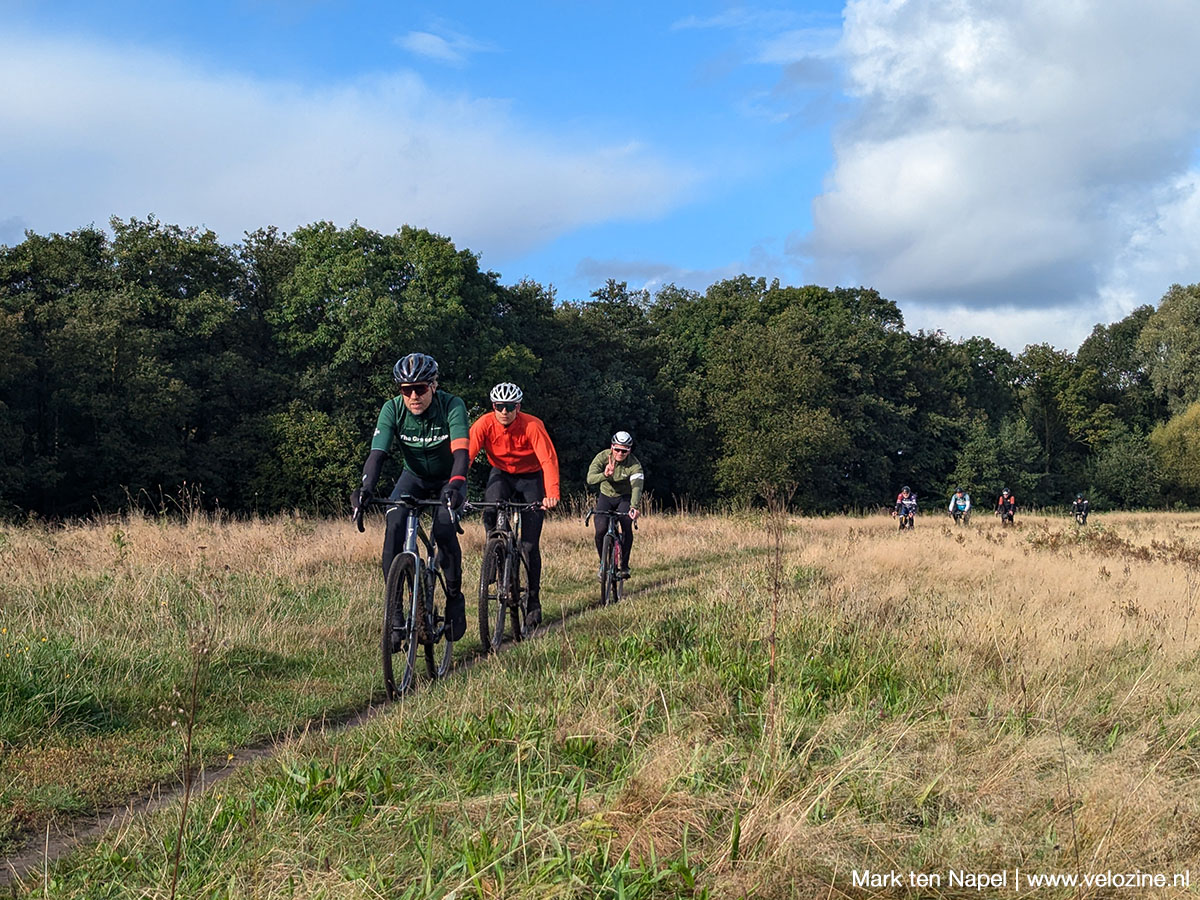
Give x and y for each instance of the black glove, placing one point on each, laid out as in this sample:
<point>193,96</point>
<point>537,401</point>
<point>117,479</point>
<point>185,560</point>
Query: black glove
<point>454,495</point>
<point>359,499</point>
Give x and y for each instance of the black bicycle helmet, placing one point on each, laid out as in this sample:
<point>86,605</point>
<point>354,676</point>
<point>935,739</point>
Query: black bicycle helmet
<point>416,368</point>
<point>623,439</point>
<point>506,392</point>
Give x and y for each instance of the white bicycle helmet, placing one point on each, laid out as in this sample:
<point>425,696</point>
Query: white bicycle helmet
<point>506,392</point>
<point>623,439</point>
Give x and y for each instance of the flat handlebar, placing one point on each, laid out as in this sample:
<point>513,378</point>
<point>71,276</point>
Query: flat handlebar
<point>408,501</point>
<point>612,515</point>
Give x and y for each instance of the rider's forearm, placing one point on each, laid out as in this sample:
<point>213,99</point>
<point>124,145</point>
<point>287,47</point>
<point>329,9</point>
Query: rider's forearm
<point>371,469</point>
<point>458,471</point>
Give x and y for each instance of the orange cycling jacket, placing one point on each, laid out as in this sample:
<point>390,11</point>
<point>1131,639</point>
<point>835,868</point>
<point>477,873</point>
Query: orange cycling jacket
<point>522,448</point>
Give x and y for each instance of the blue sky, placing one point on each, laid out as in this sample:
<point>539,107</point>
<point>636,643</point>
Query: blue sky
<point>1019,170</point>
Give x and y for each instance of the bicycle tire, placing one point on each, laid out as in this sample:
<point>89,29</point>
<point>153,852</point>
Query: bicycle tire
<point>399,614</point>
<point>606,570</point>
<point>618,585</point>
<point>437,666</point>
<point>491,604</point>
<point>518,595</point>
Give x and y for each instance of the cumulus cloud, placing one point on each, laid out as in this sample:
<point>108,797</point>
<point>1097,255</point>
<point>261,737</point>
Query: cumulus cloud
<point>89,131</point>
<point>1013,156</point>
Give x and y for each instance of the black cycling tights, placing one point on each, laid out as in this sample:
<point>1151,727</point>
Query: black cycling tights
<point>526,488</point>
<point>619,505</point>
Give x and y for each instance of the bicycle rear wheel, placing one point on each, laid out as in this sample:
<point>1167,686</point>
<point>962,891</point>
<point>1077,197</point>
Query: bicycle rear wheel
<point>439,648</point>
<point>518,594</point>
<point>491,604</point>
<point>399,641</point>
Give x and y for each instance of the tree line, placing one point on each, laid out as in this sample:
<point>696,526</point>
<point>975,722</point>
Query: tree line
<point>152,362</point>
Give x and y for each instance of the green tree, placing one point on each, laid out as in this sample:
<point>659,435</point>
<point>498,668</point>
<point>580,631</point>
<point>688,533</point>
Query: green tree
<point>1124,473</point>
<point>1176,445</point>
<point>1170,342</point>
<point>1123,379</point>
<point>998,457</point>
<point>770,402</point>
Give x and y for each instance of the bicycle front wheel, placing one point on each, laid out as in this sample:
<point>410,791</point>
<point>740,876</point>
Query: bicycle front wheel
<point>617,594</point>
<point>518,594</point>
<point>399,643</point>
<point>439,648</point>
<point>607,572</point>
<point>491,601</point>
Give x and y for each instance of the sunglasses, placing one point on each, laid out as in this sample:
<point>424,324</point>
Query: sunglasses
<point>414,390</point>
<point>504,407</point>
<point>620,449</point>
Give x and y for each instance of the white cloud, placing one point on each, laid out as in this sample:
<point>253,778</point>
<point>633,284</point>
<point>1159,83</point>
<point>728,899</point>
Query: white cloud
<point>449,46</point>
<point>91,131</point>
<point>799,45</point>
<point>1015,156</point>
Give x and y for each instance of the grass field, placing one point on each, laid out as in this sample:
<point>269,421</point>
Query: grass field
<point>950,705</point>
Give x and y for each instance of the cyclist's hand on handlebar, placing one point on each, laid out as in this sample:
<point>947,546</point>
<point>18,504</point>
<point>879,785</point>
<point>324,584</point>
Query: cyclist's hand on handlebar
<point>359,499</point>
<point>454,496</point>
<point>549,502</point>
<point>633,513</point>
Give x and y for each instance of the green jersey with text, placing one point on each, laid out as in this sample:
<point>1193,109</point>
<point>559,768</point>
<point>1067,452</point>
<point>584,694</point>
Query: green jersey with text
<point>426,441</point>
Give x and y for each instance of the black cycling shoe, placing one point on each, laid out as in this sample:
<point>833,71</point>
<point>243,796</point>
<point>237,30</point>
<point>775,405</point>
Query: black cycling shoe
<point>456,615</point>
<point>533,613</point>
<point>623,572</point>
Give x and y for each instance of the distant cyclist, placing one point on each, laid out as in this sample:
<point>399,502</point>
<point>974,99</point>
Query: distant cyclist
<point>620,478</point>
<point>431,428</point>
<point>524,465</point>
<point>960,505</point>
<point>1080,509</point>
<point>906,507</point>
<point>1006,506</point>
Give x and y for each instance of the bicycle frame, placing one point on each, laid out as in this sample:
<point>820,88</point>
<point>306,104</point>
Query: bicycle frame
<point>427,567</point>
<point>611,584</point>
<point>411,616</point>
<point>502,566</point>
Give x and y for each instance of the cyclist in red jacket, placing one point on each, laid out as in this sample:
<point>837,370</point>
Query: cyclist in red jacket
<point>525,465</point>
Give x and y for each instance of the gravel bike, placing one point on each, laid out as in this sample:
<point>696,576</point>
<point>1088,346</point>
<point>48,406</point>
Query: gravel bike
<point>504,575</point>
<point>414,603</point>
<point>612,583</point>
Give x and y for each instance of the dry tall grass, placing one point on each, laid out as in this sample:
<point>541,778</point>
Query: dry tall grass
<point>970,698</point>
<point>1069,737</point>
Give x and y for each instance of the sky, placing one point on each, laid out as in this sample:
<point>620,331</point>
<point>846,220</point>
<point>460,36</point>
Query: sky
<point>1017,169</point>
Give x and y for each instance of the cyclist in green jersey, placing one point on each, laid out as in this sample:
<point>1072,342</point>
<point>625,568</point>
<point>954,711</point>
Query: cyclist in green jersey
<point>620,478</point>
<point>432,431</point>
